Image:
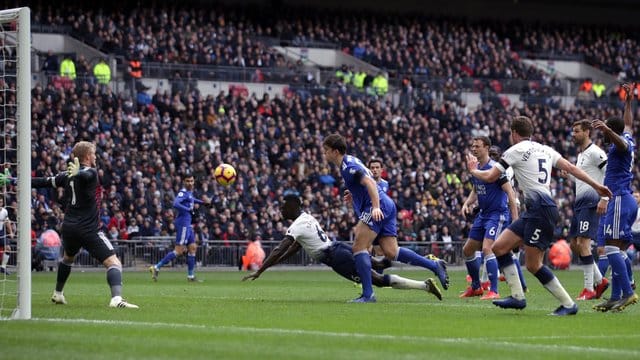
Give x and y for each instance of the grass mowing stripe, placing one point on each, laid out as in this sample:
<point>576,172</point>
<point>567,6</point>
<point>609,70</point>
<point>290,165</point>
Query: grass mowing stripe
<point>488,342</point>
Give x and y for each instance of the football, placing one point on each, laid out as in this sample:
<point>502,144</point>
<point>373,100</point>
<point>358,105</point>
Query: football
<point>225,174</point>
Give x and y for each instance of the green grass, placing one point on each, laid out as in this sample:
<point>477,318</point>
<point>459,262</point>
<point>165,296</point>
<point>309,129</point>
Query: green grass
<point>303,315</point>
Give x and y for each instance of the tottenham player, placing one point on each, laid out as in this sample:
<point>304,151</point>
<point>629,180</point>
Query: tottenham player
<point>532,164</point>
<point>588,207</point>
<point>305,232</point>
<point>82,196</point>
<point>497,203</point>
<point>377,218</point>
<point>622,208</point>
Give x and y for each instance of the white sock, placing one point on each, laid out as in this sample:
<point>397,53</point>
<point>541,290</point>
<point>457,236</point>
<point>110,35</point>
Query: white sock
<point>5,259</point>
<point>513,280</point>
<point>484,277</point>
<point>398,282</point>
<point>597,277</point>
<point>556,289</point>
<point>588,276</point>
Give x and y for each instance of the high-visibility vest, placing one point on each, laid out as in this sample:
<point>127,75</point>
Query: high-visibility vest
<point>358,79</point>
<point>102,72</point>
<point>599,89</point>
<point>68,69</point>
<point>136,69</point>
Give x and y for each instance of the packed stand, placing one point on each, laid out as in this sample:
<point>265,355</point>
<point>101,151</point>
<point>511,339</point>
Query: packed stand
<point>143,149</point>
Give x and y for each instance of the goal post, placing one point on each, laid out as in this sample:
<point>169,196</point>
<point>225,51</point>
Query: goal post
<point>15,54</point>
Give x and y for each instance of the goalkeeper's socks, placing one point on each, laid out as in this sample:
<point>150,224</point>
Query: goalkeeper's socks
<point>166,259</point>
<point>410,257</point>
<point>191,264</point>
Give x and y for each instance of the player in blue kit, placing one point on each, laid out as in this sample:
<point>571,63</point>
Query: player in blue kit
<point>305,232</point>
<point>532,163</point>
<point>185,238</point>
<point>497,205</point>
<point>377,218</point>
<point>622,208</point>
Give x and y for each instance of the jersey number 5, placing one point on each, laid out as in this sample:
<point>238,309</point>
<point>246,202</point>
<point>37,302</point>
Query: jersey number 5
<point>543,170</point>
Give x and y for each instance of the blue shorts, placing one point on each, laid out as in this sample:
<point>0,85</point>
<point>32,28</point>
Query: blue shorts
<point>536,226</point>
<point>584,223</point>
<point>621,213</point>
<point>340,258</point>
<point>185,236</point>
<point>388,226</point>
<point>489,226</point>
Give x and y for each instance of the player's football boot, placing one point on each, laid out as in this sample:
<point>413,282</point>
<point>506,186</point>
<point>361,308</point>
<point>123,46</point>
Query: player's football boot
<point>433,288</point>
<point>442,274</point>
<point>119,302</point>
<point>154,273</point>
<point>586,294</point>
<point>511,303</point>
<point>601,288</point>
<point>564,311</point>
<point>468,278</point>
<point>363,299</point>
<point>605,305</point>
<point>491,295</point>
<point>471,292</point>
<point>4,271</point>
<point>624,302</point>
<point>486,285</point>
<point>502,278</point>
<point>193,279</point>
<point>58,298</point>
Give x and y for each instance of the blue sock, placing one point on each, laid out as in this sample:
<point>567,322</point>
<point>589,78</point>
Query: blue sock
<point>492,271</point>
<point>410,257</point>
<point>620,285</point>
<point>191,264</point>
<point>363,267</point>
<point>166,259</point>
<point>627,262</point>
<point>603,265</point>
<point>520,274</point>
<point>473,269</point>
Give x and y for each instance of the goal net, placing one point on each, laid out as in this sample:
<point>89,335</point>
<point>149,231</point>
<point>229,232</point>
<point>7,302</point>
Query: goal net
<point>15,158</point>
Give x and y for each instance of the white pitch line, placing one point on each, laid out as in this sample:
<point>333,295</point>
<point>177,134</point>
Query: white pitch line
<point>417,339</point>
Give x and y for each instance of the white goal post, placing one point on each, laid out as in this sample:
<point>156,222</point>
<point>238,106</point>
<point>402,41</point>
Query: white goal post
<point>15,26</point>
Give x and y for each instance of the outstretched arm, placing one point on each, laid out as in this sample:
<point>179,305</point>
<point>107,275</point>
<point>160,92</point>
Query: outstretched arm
<point>628,112</point>
<point>563,164</point>
<point>275,256</point>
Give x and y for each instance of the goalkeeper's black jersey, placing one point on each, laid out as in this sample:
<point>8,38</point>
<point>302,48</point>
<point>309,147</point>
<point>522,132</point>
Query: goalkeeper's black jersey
<point>82,195</point>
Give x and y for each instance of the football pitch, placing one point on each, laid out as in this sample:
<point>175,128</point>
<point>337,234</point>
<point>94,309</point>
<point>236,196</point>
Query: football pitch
<point>303,314</point>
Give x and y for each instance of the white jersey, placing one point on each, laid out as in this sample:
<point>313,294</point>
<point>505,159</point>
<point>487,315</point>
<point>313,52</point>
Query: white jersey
<point>307,232</point>
<point>3,217</point>
<point>593,161</point>
<point>532,163</point>
<point>635,228</point>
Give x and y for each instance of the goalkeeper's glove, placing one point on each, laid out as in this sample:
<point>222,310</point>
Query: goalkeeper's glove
<point>73,167</point>
<point>5,178</point>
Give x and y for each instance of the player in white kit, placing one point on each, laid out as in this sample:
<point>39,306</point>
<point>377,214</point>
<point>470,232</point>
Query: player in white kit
<point>532,163</point>
<point>305,232</point>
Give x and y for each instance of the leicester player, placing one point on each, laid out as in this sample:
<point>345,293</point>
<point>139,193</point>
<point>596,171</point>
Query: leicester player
<point>82,197</point>
<point>497,204</point>
<point>185,238</point>
<point>377,218</point>
<point>622,208</point>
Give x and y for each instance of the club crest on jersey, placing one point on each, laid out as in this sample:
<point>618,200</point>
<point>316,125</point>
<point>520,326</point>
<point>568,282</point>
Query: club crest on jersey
<point>352,171</point>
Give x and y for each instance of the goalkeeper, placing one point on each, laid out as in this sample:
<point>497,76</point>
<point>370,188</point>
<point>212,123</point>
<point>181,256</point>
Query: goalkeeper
<point>81,200</point>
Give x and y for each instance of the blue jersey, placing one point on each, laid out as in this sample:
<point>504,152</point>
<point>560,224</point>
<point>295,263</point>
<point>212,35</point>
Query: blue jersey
<point>184,204</point>
<point>618,175</point>
<point>491,197</point>
<point>383,185</point>
<point>352,171</point>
